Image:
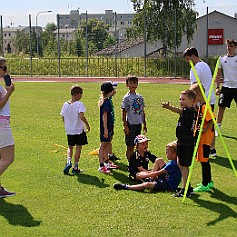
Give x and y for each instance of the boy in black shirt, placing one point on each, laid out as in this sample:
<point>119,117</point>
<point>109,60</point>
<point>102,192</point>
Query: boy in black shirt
<point>184,134</point>
<point>138,163</point>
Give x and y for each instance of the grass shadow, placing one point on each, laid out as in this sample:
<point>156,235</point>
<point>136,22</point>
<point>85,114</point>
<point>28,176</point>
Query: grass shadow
<point>223,161</point>
<point>91,180</point>
<point>218,195</point>
<point>122,166</point>
<point>230,137</point>
<point>17,214</point>
<point>223,210</point>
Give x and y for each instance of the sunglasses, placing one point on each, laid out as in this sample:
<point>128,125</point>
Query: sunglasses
<point>4,68</point>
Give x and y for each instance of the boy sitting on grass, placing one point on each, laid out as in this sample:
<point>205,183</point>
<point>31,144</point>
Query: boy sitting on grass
<point>163,177</point>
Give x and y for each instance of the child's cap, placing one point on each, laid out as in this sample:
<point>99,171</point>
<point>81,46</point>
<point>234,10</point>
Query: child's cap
<point>107,87</point>
<point>114,84</point>
<point>140,139</point>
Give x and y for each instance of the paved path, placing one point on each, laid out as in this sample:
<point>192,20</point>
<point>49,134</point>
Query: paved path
<point>101,79</point>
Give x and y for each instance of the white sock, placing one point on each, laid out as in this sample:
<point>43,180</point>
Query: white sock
<point>69,160</point>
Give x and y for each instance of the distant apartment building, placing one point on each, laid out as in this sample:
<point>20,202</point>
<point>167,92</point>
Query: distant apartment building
<point>66,33</point>
<point>10,32</point>
<point>117,22</point>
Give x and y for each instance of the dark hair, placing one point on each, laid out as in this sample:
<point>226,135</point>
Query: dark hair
<point>75,90</point>
<point>190,51</point>
<point>107,87</point>
<point>2,60</point>
<point>190,94</point>
<point>231,41</point>
<point>131,78</point>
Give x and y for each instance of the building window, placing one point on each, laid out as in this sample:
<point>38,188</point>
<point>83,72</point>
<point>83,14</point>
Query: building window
<point>122,23</point>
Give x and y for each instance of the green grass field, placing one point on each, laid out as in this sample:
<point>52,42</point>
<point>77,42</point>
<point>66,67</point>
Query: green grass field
<point>49,203</point>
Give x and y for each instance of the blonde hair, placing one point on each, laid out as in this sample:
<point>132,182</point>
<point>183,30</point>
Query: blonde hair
<point>196,88</point>
<point>173,146</point>
<point>102,98</point>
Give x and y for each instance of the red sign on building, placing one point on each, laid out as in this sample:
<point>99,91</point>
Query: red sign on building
<point>215,36</point>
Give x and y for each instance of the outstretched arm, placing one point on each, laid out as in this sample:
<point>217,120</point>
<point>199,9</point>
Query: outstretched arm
<point>174,109</point>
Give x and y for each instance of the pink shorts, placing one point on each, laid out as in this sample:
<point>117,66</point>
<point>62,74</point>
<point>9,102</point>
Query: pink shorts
<point>6,138</point>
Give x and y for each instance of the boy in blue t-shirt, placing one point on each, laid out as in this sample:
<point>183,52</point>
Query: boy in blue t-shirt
<point>163,176</point>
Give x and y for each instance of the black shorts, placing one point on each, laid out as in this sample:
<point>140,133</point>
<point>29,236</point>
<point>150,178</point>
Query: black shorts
<point>161,185</point>
<point>226,96</point>
<point>185,154</point>
<point>77,139</point>
<point>135,130</point>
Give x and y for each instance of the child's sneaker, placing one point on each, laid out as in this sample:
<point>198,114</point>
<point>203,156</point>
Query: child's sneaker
<point>104,170</point>
<point>76,171</point>
<point>4,193</point>
<point>213,153</point>
<point>110,165</point>
<point>113,157</point>
<point>180,192</point>
<point>202,188</point>
<point>211,184</point>
<point>120,186</point>
<point>67,168</point>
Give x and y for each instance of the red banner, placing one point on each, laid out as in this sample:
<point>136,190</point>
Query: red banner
<point>215,36</point>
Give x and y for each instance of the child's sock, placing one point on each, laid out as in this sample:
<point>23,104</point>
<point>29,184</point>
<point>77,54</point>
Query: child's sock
<point>75,166</point>
<point>69,160</point>
<point>102,164</point>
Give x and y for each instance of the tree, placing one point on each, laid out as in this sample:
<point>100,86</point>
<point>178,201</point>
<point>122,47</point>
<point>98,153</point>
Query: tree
<point>21,42</point>
<point>48,43</point>
<point>160,21</point>
<point>96,31</point>
<point>109,41</point>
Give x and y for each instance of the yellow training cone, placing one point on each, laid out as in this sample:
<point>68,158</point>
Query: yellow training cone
<point>95,152</point>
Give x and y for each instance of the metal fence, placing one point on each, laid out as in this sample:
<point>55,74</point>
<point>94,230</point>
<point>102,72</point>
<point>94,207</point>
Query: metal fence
<point>115,66</point>
<point>97,67</point>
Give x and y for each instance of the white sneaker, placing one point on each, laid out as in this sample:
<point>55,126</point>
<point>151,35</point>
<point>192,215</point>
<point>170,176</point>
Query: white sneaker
<point>110,165</point>
<point>104,170</point>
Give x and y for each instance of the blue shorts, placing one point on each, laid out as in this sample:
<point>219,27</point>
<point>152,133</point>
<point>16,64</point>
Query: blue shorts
<point>110,136</point>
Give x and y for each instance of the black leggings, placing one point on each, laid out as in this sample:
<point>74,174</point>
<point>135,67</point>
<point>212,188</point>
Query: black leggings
<point>206,173</point>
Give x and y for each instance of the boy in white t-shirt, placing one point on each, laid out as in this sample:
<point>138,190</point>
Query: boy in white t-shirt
<point>74,122</point>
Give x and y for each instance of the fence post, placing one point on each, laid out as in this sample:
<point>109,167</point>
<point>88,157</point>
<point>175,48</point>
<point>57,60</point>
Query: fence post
<point>87,45</point>
<point>175,43</point>
<point>144,38</point>
<point>59,63</point>
<point>207,39</point>
<point>30,46</point>
<point>2,38</point>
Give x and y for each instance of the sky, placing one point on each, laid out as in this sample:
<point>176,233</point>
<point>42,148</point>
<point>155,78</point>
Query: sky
<point>16,12</point>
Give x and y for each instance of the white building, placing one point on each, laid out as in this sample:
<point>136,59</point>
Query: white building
<point>209,39</point>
